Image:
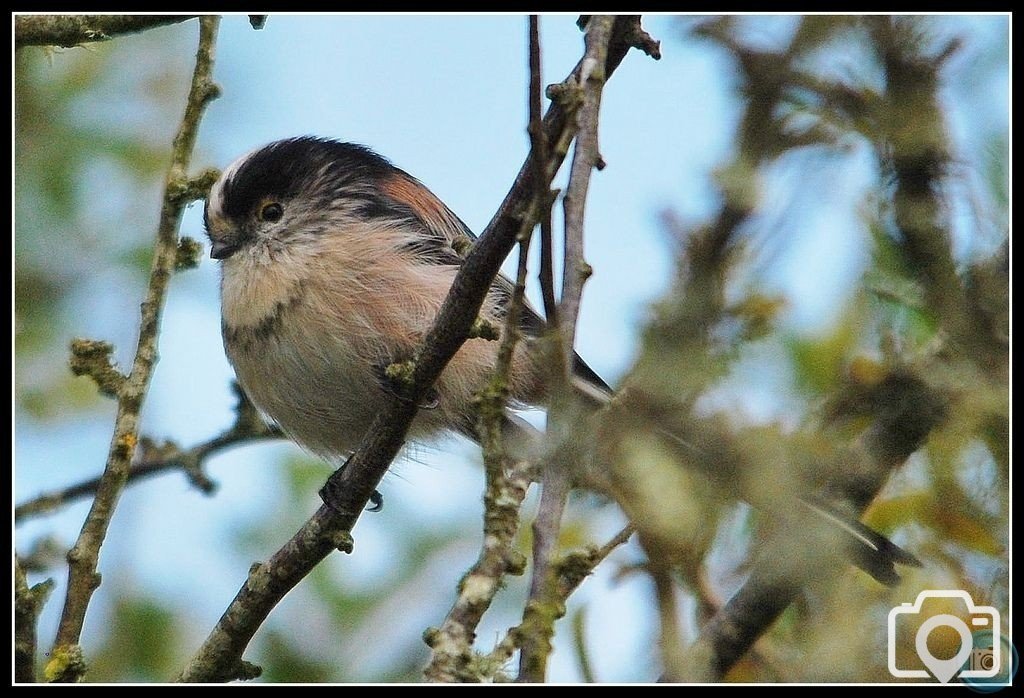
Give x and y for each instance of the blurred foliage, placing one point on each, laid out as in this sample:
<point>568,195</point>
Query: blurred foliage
<point>83,120</point>
<point>917,352</point>
<point>144,640</point>
<point>90,152</point>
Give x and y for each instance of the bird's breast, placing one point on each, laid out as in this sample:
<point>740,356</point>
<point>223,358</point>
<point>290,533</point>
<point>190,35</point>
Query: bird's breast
<point>296,364</point>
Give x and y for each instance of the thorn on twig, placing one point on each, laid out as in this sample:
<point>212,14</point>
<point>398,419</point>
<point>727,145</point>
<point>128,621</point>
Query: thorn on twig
<point>209,91</point>
<point>257,21</point>
<point>30,599</point>
<point>197,477</point>
<point>191,461</point>
<point>91,358</point>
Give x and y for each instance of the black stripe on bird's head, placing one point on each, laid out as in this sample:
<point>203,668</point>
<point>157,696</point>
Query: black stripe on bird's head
<point>267,190</point>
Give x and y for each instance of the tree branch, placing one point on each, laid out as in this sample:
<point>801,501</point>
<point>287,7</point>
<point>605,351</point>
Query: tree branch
<point>556,476</point>
<point>539,144</point>
<point>586,157</point>
<point>73,30</point>
<point>507,482</point>
<point>913,147</point>
<point>905,410</point>
<point>154,459</point>
<point>681,356</point>
<point>83,557</point>
<point>350,488</point>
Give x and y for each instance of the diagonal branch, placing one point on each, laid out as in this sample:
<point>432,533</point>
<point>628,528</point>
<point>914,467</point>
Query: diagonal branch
<point>84,556</point>
<point>73,30</point>
<point>349,489</point>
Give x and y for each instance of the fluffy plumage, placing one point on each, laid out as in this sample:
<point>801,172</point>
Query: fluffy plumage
<point>345,282</point>
<point>334,265</point>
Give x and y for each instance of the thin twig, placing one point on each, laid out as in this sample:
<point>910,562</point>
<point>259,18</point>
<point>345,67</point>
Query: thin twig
<point>153,459</point>
<point>74,30</point>
<point>538,141</point>
<point>507,482</point>
<point>557,477</point>
<point>570,572</point>
<point>586,157</point>
<point>349,489</point>
<point>83,557</point>
<point>189,461</point>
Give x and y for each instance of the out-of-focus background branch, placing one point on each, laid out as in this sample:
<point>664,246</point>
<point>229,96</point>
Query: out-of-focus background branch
<point>888,389</point>
<point>824,294</point>
<point>157,458</point>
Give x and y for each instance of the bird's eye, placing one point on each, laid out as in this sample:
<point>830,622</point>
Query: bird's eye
<point>272,212</point>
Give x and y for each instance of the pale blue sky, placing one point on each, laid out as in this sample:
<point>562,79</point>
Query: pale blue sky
<point>444,98</point>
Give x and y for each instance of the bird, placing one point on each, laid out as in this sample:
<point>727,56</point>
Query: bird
<point>334,263</point>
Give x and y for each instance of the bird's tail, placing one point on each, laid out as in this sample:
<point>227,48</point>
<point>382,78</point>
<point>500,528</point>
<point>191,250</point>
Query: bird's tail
<point>863,546</point>
<point>866,548</point>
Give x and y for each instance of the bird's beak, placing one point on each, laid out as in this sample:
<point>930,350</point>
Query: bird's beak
<point>222,249</point>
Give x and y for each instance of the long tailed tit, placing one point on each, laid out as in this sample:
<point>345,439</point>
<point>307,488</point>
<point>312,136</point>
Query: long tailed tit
<point>334,265</point>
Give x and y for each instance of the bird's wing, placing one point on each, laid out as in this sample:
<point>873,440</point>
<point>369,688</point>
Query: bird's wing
<point>446,243</point>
